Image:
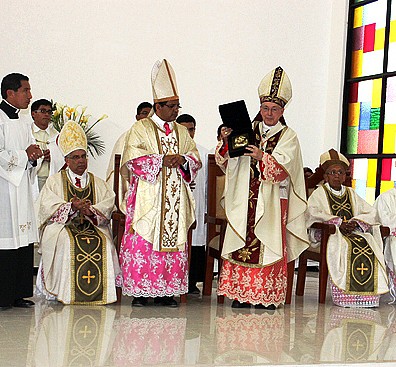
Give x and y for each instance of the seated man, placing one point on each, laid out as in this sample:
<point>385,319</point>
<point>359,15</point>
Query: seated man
<point>386,209</point>
<point>79,260</point>
<point>354,253</point>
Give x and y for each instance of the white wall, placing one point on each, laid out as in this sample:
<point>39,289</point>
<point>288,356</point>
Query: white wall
<point>100,54</point>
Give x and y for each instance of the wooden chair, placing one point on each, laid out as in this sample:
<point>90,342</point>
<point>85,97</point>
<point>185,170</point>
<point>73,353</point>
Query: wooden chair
<point>118,222</point>
<point>319,254</point>
<point>216,226</point>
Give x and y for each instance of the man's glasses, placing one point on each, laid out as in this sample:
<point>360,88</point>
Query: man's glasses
<point>75,157</point>
<point>173,106</point>
<point>334,172</point>
<point>43,111</point>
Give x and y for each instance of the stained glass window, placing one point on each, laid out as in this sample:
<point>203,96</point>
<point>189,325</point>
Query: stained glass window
<point>369,115</point>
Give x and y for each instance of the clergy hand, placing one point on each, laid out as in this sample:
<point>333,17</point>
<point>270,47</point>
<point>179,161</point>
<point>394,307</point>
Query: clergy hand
<point>225,132</point>
<point>173,160</point>
<point>85,210</point>
<point>255,152</point>
<point>34,152</point>
<point>77,204</point>
<point>347,227</point>
<point>47,155</point>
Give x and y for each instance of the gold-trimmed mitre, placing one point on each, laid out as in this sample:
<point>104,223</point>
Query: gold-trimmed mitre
<point>163,82</point>
<point>331,157</point>
<point>275,87</point>
<point>71,138</point>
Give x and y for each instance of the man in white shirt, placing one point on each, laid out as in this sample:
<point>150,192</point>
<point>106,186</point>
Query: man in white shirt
<point>18,158</point>
<point>45,136</point>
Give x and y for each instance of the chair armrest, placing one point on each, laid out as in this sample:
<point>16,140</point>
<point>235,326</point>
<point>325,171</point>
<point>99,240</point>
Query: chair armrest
<point>214,220</point>
<point>325,227</point>
<point>118,216</point>
<point>385,231</point>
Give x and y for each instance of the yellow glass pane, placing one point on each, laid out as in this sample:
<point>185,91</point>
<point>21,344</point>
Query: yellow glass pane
<point>370,195</point>
<point>389,138</point>
<point>392,34</point>
<point>353,184</point>
<point>353,114</point>
<point>379,39</point>
<point>371,172</point>
<point>358,17</point>
<point>386,186</point>
<point>376,97</point>
<point>356,68</point>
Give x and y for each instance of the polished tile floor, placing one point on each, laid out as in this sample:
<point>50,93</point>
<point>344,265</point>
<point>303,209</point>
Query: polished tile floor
<point>200,333</point>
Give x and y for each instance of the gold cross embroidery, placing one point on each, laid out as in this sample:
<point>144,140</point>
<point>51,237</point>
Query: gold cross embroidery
<point>89,277</point>
<point>361,269</point>
<point>85,331</point>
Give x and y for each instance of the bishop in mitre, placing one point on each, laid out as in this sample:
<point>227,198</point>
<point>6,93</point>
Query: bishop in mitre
<point>159,161</point>
<point>79,260</point>
<point>355,252</point>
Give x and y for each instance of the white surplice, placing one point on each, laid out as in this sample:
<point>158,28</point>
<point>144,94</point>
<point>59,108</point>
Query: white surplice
<point>17,220</point>
<point>57,160</point>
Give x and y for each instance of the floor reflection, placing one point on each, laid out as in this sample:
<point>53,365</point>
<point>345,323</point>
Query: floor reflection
<point>150,341</point>
<point>201,333</point>
<point>73,336</point>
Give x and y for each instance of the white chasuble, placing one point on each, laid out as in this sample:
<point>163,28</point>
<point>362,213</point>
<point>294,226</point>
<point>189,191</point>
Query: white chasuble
<point>56,244</point>
<point>338,257</point>
<point>268,222</point>
<point>164,206</point>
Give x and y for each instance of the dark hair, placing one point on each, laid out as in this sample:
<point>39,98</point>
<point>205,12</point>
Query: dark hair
<point>13,82</point>
<point>143,105</point>
<point>40,102</point>
<point>186,118</point>
<point>160,103</point>
<point>219,129</point>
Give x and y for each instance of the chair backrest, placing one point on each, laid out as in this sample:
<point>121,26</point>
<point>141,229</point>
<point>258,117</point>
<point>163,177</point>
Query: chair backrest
<point>216,180</point>
<point>116,177</point>
<point>311,182</point>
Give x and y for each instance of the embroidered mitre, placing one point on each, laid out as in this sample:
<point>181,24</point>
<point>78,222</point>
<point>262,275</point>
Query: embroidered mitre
<point>275,87</point>
<point>71,138</point>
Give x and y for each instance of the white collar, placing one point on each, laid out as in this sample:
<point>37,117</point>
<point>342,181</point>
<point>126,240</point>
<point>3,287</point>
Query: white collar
<point>336,192</point>
<point>84,178</point>
<point>160,123</point>
<point>267,131</point>
<point>36,129</point>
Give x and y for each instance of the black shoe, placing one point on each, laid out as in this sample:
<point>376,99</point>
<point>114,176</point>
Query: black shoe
<point>165,301</point>
<point>139,301</point>
<point>5,308</point>
<point>237,304</point>
<point>23,303</point>
<point>193,289</point>
<point>262,307</point>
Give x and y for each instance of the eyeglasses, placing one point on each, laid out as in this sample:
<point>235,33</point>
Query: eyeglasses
<point>76,157</point>
<point>48,112</point>
<point>333,173</point>
<point>173,106</point>
<point>273,109</point>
